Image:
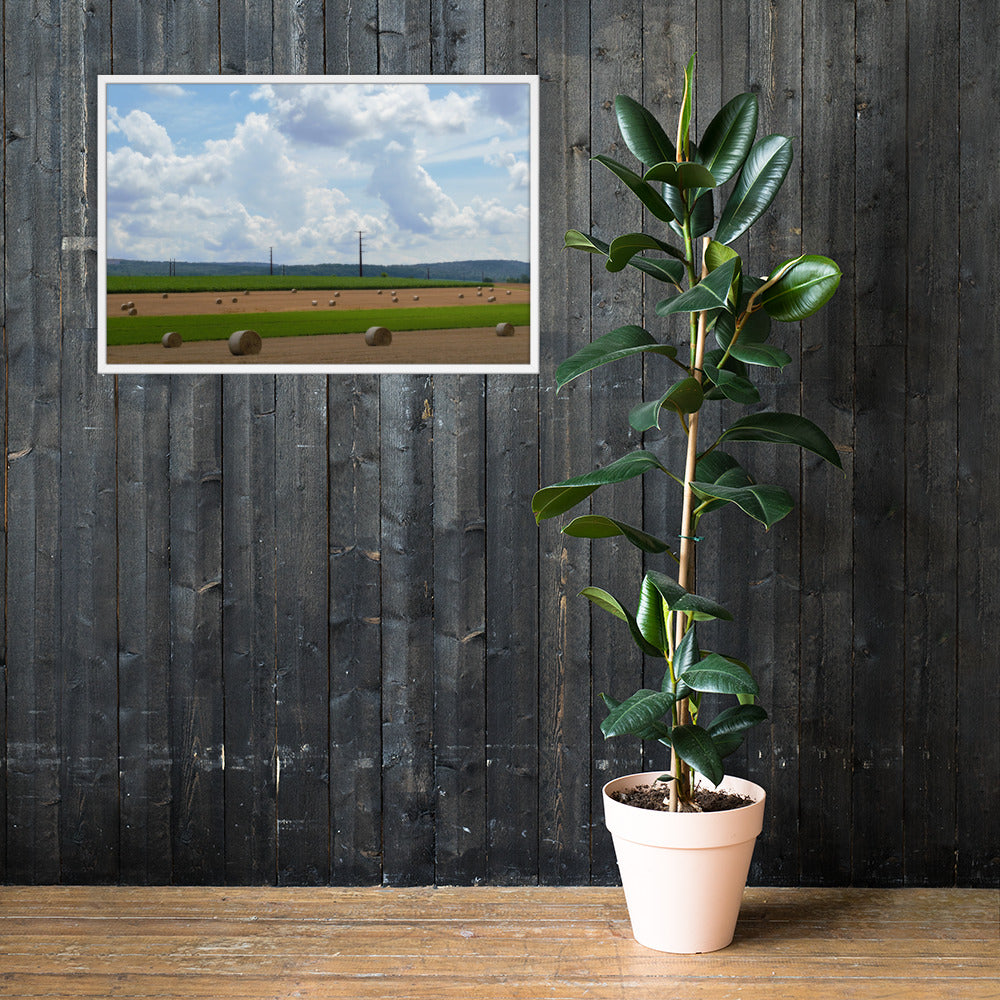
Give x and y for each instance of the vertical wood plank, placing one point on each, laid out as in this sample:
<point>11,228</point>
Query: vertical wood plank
<point>564,45</point>
<point>406,430</point>
<point>978,704</point>
<point>512,434</point>
<point>87,558</point>
<point>355,631</point>
<point>880,439</point>
<point>196,675</point>
<point>827,399</point>
<point>407,630</point>
<point>615,300</point>
<point>249,529</point>
<point>931,450</point>
<point>32,150</point>
<point>302,682</point>
<point>457,46</point>
<point>143,448</point>
<point>351,36</point>
<point>248,627</point>
<point>773,596</point>
<point>299,37</point>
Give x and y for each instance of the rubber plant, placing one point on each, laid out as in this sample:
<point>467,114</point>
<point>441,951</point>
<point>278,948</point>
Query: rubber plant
<point>707,293</point>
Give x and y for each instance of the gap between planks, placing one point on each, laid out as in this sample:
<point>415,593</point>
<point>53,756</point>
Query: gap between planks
<point>918,944</point>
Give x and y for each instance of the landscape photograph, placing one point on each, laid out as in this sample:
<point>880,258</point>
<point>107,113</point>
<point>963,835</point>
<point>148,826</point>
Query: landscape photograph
<point>317,225</point>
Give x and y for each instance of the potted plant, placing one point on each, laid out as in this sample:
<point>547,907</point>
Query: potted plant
<point>684,864</point>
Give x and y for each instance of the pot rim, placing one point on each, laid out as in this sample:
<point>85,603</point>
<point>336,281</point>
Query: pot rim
<point>649,777</point>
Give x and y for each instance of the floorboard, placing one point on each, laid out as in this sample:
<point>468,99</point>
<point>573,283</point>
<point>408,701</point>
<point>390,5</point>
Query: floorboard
<point>918,944</point>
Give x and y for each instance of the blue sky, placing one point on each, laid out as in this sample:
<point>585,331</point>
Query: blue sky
<point>223,171</point>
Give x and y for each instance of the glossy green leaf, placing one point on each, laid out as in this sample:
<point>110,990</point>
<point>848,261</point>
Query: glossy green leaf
<point>729,136</point>
<point>636,714</point>
<point>575,240</point>
<point>804,289</point>
<point>654,731</point>
<point>719,468</point>
<point>767,504</point>
<point>756,329</point>
<point>684,119</point>
<point>711,292</point>
<point>765,355</point>
<point>551,501</point>
<point>671,271</point>
<point>783,428</point>
<point>762,175</point>
<point>717,675</point>
<point>694,746</point>
<point>727,743</point>
<point>736,719</point>
<point>713,358</point>
<point>684,396</point>
<point>596,526</point>
<point>642,133</point>
<point>681,175</point>
<point>716,254</point>
<point>623,248</point>
<point>646,194</point>
<point>686,656</point>
<point>732,386</point>
<point>703,215</point>
<point>650,616</point>
<point>679,599</point>
<point>624,342</point>
<point>606,602</point>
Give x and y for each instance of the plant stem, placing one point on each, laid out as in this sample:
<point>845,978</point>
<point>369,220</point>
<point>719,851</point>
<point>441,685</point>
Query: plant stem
<point>686,560</point>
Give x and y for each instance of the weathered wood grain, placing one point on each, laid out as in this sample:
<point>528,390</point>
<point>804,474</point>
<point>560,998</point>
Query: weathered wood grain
<point>616,664</point>
<point>796,943</point>
<point>88,650</point>
<point>35,675</point>
<point>977,708</point>
<point>931,374</point>
<point>880,317</point>
<point>512,618</point>
<point>827,364</point>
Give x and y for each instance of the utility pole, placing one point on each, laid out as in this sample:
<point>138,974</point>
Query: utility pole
<point>361,268</point>
<point>271,271</point>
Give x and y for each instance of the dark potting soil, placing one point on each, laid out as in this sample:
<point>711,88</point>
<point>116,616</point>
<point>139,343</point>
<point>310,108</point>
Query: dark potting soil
<point>657,797</point>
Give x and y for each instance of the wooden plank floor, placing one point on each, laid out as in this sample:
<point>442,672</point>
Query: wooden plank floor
<point>487,944</point>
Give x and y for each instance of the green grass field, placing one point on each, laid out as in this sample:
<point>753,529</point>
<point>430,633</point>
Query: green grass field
<point>124,284</point>
<point>127,330</point>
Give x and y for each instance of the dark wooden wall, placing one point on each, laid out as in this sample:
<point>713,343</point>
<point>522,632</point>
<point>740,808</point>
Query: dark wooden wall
<point>304,630</point>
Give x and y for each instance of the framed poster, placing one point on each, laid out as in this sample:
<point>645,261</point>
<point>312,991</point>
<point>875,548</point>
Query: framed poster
<point>317,224</point>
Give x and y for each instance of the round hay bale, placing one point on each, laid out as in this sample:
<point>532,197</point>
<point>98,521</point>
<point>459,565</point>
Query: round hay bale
<point>235,299</point>
<point>164,295</point>
<point>218,302</point>
<point>508,291</point>
<point>479,294</point>
<point>491,298</point>
<point>246,291</point>
<point>131,305</point>
<point>294,291</point>
<point>332,303</point>
<point>378,336</point>
<point>479,288</point>
<point>124,307</point>
<point>379,292</point>
<point>315,302</point>
<point>461,295</point>
<point>393,293</point>
<point>172,339</point>
<point>505,330</point>
<point>416,298</point>
<point>244,342</point>
<point>336,295</point>
<point>133,311</point>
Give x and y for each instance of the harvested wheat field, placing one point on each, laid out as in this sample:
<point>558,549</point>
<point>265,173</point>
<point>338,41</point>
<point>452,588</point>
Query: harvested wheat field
<point>470,346</point>
<point>195,303</point>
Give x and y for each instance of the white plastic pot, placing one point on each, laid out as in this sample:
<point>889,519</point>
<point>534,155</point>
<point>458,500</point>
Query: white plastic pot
<point>684,873</point>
